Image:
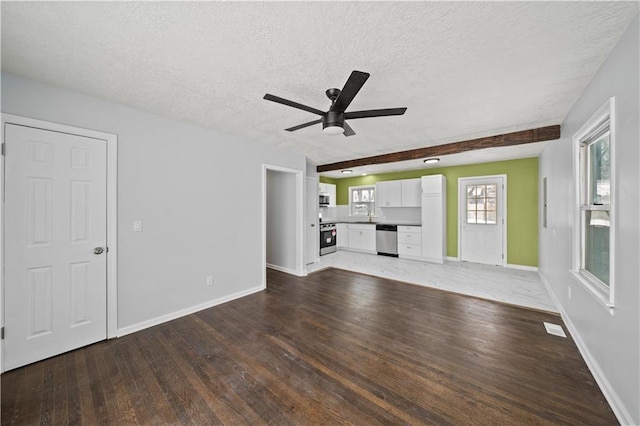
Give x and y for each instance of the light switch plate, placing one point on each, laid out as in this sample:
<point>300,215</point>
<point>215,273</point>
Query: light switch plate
<point>137,226</point>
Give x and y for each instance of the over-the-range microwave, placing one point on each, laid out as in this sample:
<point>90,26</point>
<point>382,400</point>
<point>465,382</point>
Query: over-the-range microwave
<point>324,199</point>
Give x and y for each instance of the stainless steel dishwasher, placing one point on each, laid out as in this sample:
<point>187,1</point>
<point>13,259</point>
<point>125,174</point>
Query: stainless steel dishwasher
<point>387,240</point>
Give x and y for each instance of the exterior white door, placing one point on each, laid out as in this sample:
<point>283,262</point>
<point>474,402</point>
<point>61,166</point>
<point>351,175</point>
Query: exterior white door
<point>55,238</point>
<point>311,218</point>
<point>481,219</point>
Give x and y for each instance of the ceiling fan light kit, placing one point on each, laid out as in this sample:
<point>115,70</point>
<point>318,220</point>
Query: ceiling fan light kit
<point>333,121</point>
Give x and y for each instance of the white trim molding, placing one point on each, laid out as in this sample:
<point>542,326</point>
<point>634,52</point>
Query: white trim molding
<point>299,225</point>
<point>522,267</point>
<point>282,269</point>
<point>604,295</point>
<point>187,311</point>
<point>620,411</point>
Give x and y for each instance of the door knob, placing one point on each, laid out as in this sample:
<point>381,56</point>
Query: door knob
<point>98,250</point>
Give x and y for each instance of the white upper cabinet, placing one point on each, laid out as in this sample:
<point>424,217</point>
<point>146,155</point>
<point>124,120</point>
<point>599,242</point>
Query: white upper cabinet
<point>389,193</point>
<point>399,193</point>
<point>434,184</point>
<point>411,193</point>
<point>328,188</point>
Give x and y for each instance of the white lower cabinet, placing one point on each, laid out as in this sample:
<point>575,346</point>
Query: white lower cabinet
<point>410,242</point>
<point>343,235</point>
<point>362,238</point>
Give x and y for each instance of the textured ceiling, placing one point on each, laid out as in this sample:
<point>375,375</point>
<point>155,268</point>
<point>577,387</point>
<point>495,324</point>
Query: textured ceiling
<point>463,70</point>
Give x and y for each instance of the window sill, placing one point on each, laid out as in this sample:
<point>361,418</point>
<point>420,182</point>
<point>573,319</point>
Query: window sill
<point>595,290</point>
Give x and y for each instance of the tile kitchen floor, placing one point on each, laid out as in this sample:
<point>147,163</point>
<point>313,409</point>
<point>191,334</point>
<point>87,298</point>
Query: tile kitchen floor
<point>514,286</point>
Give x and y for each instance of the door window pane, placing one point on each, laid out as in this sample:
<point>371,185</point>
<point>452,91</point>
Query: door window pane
<point>482,199</point>
<point>471,217</point>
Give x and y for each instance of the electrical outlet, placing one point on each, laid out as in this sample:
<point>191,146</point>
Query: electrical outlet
<point>137,226</point>
<point>569,292</point>
<point>210,280</point>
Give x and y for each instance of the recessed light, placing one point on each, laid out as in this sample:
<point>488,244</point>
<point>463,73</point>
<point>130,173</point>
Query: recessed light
<point>346,172</point>
<point>431,160</point>
<point>364,174</point>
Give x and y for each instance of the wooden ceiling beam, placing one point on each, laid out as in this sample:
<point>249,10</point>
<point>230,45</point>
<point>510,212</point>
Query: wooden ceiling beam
<point>540,134</point>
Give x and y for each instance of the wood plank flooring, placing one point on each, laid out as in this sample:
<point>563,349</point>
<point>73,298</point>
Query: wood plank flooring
<point>335,347</point>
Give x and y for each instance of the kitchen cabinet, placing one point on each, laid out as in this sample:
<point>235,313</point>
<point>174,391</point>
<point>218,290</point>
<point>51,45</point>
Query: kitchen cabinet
<point>389,193</point>
<point>399,193</point>
<point>343,235</point>
<point>362,238</point>
<point>410,242</point>
<point>328,188</point>
<point>434,184</point>
<point>434,218</point>
<point>411,193</point>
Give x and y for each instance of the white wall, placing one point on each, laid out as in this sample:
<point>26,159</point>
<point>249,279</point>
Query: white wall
<point>199,193</point>
<point>281,220</point>
<point>609,343</point>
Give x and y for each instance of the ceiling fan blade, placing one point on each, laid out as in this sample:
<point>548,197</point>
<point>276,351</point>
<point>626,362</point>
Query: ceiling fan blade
<point>350,90</point>
<point>287,102</point>
<point>302,126</point>
<point>374,113</point>
<point>348,131</point>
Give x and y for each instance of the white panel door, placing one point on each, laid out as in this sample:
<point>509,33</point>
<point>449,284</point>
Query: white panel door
<point>481,206</point>
<point>55,218</point>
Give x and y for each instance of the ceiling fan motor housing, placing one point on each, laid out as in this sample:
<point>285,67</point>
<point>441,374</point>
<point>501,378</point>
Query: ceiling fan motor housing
<point>332,119</point>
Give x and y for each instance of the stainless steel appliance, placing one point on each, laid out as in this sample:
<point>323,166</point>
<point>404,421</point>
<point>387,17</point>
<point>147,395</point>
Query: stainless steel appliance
<point>324,199</point>
<point>328,238</point>
<point>387,240</point>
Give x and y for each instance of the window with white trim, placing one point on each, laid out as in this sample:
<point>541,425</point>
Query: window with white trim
<point>362,200</point>
<point>593,240</point>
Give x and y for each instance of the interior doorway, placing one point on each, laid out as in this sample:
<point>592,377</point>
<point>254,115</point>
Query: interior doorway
<point>59,239</point>
<point>482,235</point>
<point>283,220</point>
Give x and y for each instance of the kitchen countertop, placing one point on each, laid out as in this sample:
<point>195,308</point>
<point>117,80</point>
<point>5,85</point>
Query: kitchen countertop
<point>371,223</point>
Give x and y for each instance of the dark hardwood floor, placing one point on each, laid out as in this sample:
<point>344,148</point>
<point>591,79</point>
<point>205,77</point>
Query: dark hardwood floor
<point>335,347</point>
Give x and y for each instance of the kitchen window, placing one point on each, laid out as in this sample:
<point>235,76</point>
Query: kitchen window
<point>593,236</point>
<point>362,200</point>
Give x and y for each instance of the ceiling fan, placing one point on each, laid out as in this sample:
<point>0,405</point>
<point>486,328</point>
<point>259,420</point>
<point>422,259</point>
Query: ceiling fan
<point>333,121</point>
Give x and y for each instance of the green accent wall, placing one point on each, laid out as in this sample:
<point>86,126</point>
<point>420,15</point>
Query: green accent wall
<point>522,201</point>
<point>325,179</point>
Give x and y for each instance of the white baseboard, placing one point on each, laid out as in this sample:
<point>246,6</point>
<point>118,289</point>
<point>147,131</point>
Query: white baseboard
<point>183,312</point>
<point>439,260</point>
<point>522,267</point>
<point>508,265</point>
<point>621,412</point>
<point>282,269</point>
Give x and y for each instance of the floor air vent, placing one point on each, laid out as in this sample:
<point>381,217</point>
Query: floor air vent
<point>554,329</point>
